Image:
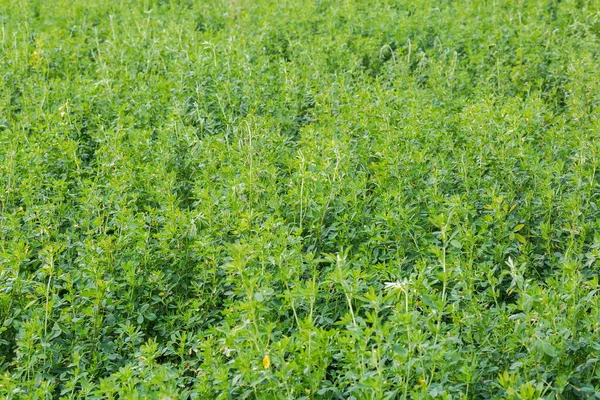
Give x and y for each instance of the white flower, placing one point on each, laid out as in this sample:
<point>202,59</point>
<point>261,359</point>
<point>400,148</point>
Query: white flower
<point>398,285</point>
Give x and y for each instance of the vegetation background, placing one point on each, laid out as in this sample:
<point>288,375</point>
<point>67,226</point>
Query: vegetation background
<point>299,199</point>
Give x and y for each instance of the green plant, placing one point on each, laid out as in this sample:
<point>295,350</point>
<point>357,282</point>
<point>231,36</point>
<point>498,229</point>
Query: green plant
<point>301,199</point>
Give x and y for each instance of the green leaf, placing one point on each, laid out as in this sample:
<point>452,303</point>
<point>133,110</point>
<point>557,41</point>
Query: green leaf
<point>518,227</point>
<point>456,243</point>
<point>401,350</point>
<point>548,349</point>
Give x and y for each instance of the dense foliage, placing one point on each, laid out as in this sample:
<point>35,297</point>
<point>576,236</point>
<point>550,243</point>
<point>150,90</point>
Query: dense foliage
<point>305,198</point>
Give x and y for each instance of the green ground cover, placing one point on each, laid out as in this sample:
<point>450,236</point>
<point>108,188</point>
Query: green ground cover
<point>299,199</point>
